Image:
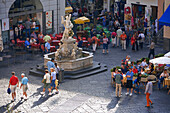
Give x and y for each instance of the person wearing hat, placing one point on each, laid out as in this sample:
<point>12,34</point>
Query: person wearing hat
<point>13,83</point>
<point>46,80</point>
<point>129,76</point>
<point>148,92</point>
<point>53,80</point>
<point>24,83</point>
<point>118,80</point>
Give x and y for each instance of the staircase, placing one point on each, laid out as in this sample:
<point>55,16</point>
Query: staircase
<point>95,69</point>
<point>159,40</point>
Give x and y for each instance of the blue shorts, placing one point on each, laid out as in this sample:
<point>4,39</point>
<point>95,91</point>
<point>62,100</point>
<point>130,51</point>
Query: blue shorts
<point>105,46</point>
<point>53,83</point>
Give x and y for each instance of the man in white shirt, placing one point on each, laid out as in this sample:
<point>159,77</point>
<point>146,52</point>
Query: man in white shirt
<point>143,64</point>
<point>141,37</point>
<point>46,80</point>
<point>57,69</point>
<point>119,32</point>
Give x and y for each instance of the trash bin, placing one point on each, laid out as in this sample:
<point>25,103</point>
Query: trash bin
<point>61,75</point>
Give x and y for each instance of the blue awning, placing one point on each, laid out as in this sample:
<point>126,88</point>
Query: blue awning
<point>165,19</point>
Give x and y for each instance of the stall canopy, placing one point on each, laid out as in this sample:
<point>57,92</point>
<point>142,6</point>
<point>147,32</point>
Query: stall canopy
<point>68,9</point>
<point>167,54</point>
<point>160,60</point>
<point>81,20</point>
<point>165,19</point>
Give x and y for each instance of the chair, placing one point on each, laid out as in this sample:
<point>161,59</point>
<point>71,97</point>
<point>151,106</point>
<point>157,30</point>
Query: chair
<point>153,78</point>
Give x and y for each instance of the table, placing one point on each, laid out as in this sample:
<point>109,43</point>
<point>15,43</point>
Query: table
<point>52,49</point>
<point>36,46</point>
<point>85,43</point>
<point>59,37</point>
<point>166,82</point>
<point>55,42</point>
<point>20,43</point>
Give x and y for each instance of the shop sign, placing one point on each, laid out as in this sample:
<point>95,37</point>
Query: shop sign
<point>48,19</point>
<point>5,24</point>
<point>26,8</point>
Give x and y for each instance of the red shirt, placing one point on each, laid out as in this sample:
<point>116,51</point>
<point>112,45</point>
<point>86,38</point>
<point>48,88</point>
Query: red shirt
<point>13,80</point>
<point>123,37</point>
<point>135,71</point>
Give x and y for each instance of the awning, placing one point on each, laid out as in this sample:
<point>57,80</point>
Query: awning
<point>81,20</point>
<point>68,9</point>
<point>165,19</point>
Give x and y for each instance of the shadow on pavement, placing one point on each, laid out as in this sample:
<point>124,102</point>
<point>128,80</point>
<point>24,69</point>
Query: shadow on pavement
<point>41,100</point>
<point>17,105</point>
<point>113,103</point>
<point>37,93</point>
<point>4,108</point>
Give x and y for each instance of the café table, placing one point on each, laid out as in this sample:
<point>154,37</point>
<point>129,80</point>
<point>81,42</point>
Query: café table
<point>166,82</point>
<point>55,42</point>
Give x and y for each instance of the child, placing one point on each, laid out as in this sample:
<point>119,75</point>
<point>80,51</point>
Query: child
<point>148,92</point>
<point>137,82</point>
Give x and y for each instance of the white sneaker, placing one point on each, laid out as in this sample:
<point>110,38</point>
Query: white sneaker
<point>130,94</point>
<point>50,94</point>
<point>120,96</point>
<point>127,93</point>
<point>25,98</point>
<point>42,93</point>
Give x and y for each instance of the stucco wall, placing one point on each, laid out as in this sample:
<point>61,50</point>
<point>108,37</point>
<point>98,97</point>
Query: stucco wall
<point>166,29</point>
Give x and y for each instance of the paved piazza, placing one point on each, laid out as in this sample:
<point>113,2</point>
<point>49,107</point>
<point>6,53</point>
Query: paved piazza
<point>92,94</point>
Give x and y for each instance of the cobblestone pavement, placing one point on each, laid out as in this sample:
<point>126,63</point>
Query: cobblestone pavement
<point>92,94</point>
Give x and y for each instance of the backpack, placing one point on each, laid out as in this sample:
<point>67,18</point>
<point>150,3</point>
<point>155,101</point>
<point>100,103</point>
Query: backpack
<point>140,37</point>
<point>113,36</point>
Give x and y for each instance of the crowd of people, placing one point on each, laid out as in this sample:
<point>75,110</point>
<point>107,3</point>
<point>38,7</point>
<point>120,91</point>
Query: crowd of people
<point>130,69</point>
<point>117,34</point>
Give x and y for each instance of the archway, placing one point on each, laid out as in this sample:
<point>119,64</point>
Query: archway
<point>20,11</point>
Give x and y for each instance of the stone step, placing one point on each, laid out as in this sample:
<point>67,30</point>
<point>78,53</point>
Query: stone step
<point>102,69</point>
<point>95,69</point>
<point>96,65</point>
<point>36,73</point>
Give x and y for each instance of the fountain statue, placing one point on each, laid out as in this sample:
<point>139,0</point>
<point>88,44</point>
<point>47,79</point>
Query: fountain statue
<point>68,56</point>
<point>68,50</point>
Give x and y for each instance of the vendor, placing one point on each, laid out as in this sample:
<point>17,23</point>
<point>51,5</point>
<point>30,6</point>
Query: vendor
<point>162,76</point>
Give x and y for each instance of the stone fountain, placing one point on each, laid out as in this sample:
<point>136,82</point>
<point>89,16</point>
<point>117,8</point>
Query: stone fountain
<point>68,55</point>
<point>75,62</point>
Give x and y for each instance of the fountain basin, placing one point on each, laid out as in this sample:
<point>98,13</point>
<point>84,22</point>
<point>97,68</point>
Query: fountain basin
<point>72,65</point>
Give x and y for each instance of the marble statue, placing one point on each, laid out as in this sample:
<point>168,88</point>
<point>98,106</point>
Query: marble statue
<point>68,50</point>
<point>68,27</point>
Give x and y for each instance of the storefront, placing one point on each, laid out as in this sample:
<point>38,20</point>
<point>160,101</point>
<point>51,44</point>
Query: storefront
<point>46,15</point>
<point>119,9</point>
<point>141,12</point>
<point>20,12</point>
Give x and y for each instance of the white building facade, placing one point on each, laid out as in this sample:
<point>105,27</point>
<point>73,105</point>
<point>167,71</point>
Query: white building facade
<point>46,13</point>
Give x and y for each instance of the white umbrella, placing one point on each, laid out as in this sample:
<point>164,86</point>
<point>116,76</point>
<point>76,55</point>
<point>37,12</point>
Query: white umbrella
<point>160,60</point>
<point>167,54</point>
